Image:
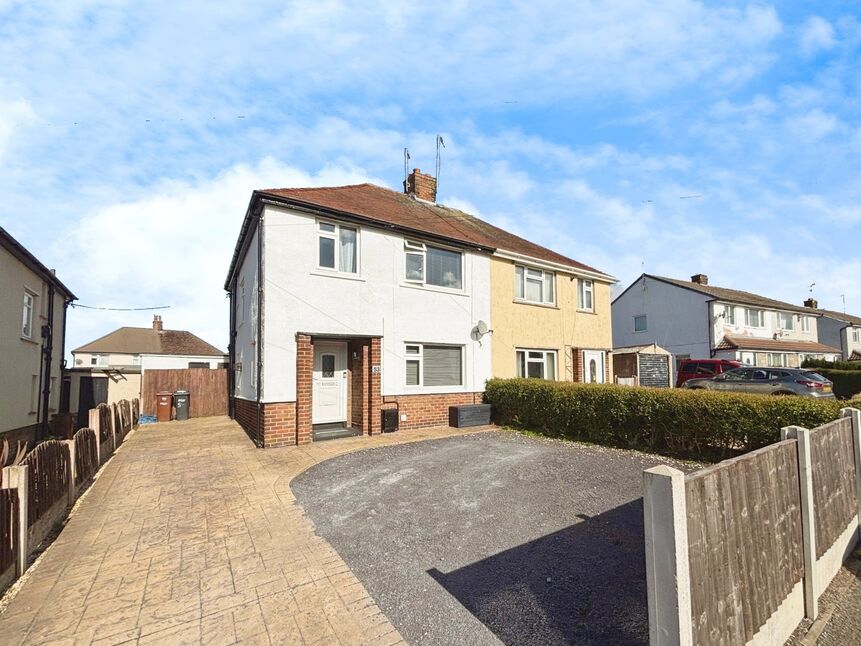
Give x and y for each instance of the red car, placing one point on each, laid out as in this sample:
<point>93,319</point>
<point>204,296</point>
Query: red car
<point>703,369</point>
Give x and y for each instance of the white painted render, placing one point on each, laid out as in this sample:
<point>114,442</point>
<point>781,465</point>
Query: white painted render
<point>771,329</point>
<point>245,342</point>
<point>376,301</point>
<point>175,361</point>
<point>677,319</point>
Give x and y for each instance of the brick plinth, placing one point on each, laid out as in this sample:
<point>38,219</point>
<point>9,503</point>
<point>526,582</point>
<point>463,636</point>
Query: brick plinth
<point>427,410</point>
<point>374,397</point>
<point>304,376</point>
<point>279,424</point>
<point>246,415</point>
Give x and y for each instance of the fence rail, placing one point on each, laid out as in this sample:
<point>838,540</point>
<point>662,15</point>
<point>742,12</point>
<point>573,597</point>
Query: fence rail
<point>740,552</point>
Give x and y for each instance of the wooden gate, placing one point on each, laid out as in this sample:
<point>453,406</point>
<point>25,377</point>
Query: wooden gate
<point>207,389</point>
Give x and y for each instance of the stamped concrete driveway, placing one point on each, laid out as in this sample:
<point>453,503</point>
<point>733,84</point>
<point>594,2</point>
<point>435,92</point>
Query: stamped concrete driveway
<point>491,537</point>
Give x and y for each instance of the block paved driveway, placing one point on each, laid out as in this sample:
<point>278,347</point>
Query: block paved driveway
<point>190,535</point>
<point>494,537</point>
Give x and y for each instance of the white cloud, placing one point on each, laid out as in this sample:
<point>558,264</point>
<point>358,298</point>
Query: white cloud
<point>172,247</point>
<point>817,34</point>
<point>14,115</point>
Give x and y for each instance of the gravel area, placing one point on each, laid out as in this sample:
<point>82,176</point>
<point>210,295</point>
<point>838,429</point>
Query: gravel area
<point>492,537</point>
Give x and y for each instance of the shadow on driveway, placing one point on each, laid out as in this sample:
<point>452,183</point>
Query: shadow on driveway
<point>585,584</point>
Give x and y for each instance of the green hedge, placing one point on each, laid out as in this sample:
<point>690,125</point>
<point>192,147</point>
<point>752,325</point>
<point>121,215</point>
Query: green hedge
<point>831,365</point>
<point>696,424</point>
<point>847,383</point>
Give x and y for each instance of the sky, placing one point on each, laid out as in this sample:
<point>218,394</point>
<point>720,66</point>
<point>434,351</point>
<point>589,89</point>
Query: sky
<point>673,137</point>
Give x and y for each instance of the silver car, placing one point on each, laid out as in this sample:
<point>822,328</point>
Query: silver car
<point>767,381</point>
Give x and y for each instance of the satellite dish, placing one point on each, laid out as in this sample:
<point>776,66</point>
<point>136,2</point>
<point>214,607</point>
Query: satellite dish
<point>482,328</point>
<point>79,362</point>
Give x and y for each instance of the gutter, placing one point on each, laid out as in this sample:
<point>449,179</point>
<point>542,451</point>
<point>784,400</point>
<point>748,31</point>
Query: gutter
<point>259,352</point>
<point>556,266</point>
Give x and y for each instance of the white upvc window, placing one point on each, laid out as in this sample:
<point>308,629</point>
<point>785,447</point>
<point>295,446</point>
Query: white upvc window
<point>136,360</point>
<point>754,317</point>
<point>99,360</point>
<point>777,360</point>
<point>536,364</point>
<point>337,248</point>
<point>805,323</point>
<point>27,315</point>
<point>586,295</point>
<point>728,315</point>
<point>426,264</point>
<point>856,335</point>
<point>785,321</point>
<point>534,285</point>
<point>433,365</point>
<point>640,323</point>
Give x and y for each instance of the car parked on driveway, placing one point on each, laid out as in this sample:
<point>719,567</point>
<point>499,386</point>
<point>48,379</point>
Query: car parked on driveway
<point>767,381</point>
<point>703,369</point>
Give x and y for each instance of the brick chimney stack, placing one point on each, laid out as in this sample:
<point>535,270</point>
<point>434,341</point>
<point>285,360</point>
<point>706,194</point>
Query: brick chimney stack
<point>421,185</point>
<point>812,303</point>
<point>156,323</point>
<point>700,279</point>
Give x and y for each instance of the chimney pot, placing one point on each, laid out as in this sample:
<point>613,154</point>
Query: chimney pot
<point>421,185</point>
<point>700,279</point>
<point>156,323</point>
<point>812,303</point>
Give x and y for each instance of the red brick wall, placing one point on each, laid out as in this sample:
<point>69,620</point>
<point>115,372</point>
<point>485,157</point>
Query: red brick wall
<point>374,397</point>
<point>427,410</point>
<point>356,369</point>
<point>304,375</point>
<point>279,424</point>
<point>246,415</point>
<point>422,185</point>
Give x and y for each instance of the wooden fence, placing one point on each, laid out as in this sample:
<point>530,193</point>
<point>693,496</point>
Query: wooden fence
<point>740,552</point>
<point>207,389</point>
<point>39,488</point>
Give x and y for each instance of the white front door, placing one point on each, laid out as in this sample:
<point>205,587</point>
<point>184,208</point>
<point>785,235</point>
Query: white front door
<point>329,394</point>
<point>593,367</point>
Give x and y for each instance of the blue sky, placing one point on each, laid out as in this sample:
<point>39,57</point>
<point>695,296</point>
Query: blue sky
<point>132,133</point>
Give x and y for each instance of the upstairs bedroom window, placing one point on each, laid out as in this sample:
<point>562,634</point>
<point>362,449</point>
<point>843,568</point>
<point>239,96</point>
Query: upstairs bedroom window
<point>586,296</point>
<point>429,265</point>
<point>337,247</point>
<point>534,285</point>
<point>785,321</point>
<point>27,316</point>
<point>754,318</point>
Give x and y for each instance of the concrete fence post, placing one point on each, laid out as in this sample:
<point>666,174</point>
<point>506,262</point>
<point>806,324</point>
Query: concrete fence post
<point>855,415</point>
<point>73,467</point>
<point>668,580</point>
<point>17,477</point>
<point>808,523</point>
<point>94,420</point>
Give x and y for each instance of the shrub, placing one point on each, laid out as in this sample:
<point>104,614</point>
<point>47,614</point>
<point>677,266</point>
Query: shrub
<point>847,383</point>
<point>686,423</point>
<point>831,365</point>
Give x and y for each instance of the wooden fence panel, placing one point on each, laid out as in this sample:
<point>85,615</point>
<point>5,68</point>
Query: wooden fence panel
<point>835,499</point>
<point>86,455</point>
<point>49,477</point>
<point>744,533</point>
<point>207,389</point>
<point>8,528</point>
<point>136,412</point>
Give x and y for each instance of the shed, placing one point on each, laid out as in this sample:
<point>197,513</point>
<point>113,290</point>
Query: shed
<point>643,365</point>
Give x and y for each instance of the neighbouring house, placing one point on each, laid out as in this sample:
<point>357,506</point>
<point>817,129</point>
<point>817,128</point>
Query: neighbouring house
<point>693,319</point>
<point>33,315</point>
<point>111,368</point>
<point>839,330</point>
<point>354,304</point>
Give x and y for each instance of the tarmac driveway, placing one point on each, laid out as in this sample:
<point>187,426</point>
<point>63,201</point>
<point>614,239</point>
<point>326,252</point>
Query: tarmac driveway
<point>493,536</point>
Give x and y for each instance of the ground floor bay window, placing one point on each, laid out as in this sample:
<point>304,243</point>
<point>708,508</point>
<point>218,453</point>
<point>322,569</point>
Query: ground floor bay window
<point>536,364</point>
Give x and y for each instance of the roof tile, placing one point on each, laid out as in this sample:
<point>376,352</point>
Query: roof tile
<point>146,340</point>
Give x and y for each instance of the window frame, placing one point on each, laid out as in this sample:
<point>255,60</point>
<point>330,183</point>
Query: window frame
<point>415,247</point>
<point>645,317</point>
<point>761,317</point>
<point>728,314</point>
<point>95,360</point>
<point>419,358</point>
<point>543,278</point>
<point>782,317</point>
<point>582,289</point>
<point>856,335</point>
<point>805,322</point>
<point>30,309</point>
<point>335,236</point>
<point>543,361</point>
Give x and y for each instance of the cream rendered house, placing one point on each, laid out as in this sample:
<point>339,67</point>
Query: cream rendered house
<point>551,316</point>
<point>33,304</point>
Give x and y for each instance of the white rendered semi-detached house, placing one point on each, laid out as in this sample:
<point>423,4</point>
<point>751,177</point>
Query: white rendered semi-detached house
<point>351,300</point>
<point>695,320</point>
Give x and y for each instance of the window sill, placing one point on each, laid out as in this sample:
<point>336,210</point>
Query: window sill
<point>434,288</point>
<point>337,274</point>
<point>582,311</point>
<point>523,301</point>
<point>433,390</point>
<point>29,340</point>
